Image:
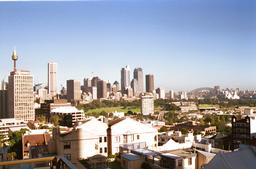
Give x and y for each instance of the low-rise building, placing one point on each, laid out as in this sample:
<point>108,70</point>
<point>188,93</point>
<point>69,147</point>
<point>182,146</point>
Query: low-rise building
<point>243,130</point>
<point>11,124</point>
<point>243,158</point>
<point>180,159</point>
<point>76,115</point>
<point>35,144</point>
<point>126,131</point>
<point>83,141</point>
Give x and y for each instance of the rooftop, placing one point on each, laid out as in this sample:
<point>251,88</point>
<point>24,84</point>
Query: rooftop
<point>65,109</point>
<point>131,156</point>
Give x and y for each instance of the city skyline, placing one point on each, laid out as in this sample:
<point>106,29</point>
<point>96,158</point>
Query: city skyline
<point>185,45</point>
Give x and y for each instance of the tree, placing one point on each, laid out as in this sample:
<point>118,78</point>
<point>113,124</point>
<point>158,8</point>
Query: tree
<point>163,129</point>
<point>55,120</point>
<point>170,117</point>
<point>184,131</point>
<point>41,118</point>
<point>15,143</point>
<point>11,156</point>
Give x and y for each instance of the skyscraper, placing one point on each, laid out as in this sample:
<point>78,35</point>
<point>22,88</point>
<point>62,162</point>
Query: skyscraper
<point>150,83</point>
<point>20,93</point>
<point>138,75</point>
<point>3,100</point>
<point>73,90</point>
<point>87,84</point>
<point>125,78</point>
<point>161,93</point>
<point>52,79</point>
<point>94,81</point>
<point>134,85</point>
<point>101,89</point>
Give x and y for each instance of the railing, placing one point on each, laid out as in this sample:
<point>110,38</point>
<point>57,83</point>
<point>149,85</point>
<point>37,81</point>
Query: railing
<point>51,162</point>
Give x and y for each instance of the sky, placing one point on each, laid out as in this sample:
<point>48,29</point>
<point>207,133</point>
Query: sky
<point>186,44</point>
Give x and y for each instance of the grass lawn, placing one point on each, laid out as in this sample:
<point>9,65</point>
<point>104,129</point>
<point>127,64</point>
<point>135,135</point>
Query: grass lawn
<point>205,106</point>
<point>113,109</point>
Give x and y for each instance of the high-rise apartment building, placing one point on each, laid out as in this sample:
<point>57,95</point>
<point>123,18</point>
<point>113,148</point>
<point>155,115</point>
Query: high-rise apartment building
<point>138,75</point>
<point>125,78</point>
<point>73,90</point>
<point>147,104</point>
<point>20,94</point>
<point>150,87</point>
<point>52,79</point>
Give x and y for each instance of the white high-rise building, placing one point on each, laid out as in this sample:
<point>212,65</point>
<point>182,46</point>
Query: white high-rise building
<point>161,93</point>
<point>125,78</point>
<point>20,94</point>
<point>147,104</point>
<point>52,79</point>
<point>172,94</point>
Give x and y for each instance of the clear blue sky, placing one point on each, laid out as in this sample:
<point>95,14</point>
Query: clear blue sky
<point>185,43</point>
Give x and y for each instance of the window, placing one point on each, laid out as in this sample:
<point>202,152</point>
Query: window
<point>105,150</point>
<point>132,137</point>
<point>100,139</point>
<point>179,163</point>
<point>67,145</point>
<point>117,139</point>
<point>125,139</point>
<point>105,139</point>
<point>138,137</point>
<point>155,138</point>
<point>190,161</point>
<point>67,156</point>
<point>100,150</point>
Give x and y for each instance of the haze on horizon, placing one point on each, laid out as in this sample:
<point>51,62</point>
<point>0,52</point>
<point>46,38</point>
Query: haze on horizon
<point>185,44</point>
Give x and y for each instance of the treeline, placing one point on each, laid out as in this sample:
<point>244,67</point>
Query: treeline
<point>166,105</point>
<point>225,103</point>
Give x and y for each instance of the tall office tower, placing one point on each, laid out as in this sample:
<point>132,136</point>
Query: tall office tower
<point>20,93</point>
<point>150,83</point>
<point>42,94</point>
<point>135,86</point>
<point>101,89</point>
<point>116,87</point>
<point>138,75</point>
<point>3,100</point>
<point>95,81</point>
<point>172,94</point>
<point>87,84</point>
<point>52,79</point>
<point>161,93</point>
<point>73,90</point>
<point>109,87</point>
<point>147,104</point>
<point>94,93</point>
<point>125,78</point>
<point>183,95</point>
